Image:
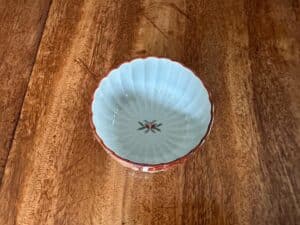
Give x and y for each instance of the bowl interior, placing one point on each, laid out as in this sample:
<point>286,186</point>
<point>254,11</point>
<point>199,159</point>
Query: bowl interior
<point>151,111</point>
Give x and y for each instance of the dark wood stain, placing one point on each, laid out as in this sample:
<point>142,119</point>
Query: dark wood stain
<point>277,125</point>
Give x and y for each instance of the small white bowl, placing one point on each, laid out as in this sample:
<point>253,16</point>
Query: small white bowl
<point>151,113</point>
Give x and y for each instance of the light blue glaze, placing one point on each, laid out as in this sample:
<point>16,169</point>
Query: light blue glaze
<point>151,89</point>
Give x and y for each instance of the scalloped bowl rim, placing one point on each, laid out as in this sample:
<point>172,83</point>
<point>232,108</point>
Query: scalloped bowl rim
<point>144,167</point>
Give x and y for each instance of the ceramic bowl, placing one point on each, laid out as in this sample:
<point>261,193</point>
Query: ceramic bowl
<point>151,113</point>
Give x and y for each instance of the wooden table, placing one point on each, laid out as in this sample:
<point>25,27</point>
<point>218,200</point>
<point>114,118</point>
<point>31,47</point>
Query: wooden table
<point>53,54</point>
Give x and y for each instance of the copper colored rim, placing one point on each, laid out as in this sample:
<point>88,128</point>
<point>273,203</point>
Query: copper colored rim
<point>143,166</point>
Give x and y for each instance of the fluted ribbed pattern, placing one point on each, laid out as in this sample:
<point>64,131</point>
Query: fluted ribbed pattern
<point>151,89</point>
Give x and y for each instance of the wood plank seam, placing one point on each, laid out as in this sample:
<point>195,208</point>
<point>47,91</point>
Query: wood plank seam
<point>25,93</point>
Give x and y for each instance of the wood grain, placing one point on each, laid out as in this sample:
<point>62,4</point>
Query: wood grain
<point>21,26</point>
<point>248,170</point>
